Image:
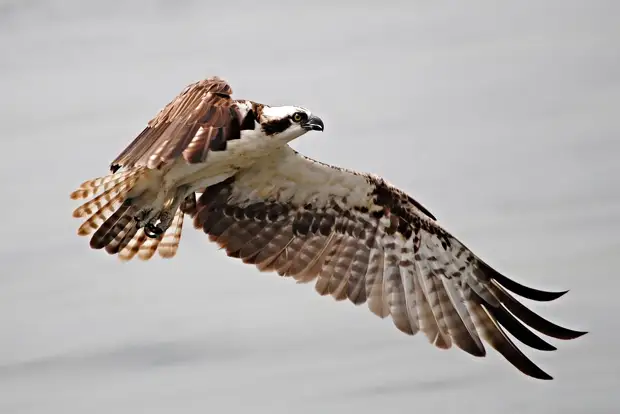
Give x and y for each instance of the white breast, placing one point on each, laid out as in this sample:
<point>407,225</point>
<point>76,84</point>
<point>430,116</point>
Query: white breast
<point>219,165</point>
<point>289,177</point>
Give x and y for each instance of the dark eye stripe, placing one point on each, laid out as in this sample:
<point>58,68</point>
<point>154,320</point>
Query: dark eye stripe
<point>275,127</point>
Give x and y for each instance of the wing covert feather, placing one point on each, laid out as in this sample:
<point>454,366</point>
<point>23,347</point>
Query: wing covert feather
<point>198,120</point>
<point>370,244</point>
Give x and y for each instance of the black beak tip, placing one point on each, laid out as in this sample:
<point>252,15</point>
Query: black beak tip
<point>314,123</point>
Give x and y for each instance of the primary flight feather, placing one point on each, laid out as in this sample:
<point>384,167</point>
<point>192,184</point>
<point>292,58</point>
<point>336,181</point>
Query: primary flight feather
<point>226,163</point>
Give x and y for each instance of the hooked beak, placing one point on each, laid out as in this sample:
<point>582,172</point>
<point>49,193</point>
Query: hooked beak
<point>314,123</point>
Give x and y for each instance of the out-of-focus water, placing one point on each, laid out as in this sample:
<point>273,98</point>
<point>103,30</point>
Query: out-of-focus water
<point>502,119</point>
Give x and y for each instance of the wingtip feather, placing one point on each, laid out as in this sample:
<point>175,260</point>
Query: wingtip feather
<point>520,289</point>
<point>532,319</point>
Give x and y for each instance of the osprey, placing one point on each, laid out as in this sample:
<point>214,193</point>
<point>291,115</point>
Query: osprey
<point>359,237</point>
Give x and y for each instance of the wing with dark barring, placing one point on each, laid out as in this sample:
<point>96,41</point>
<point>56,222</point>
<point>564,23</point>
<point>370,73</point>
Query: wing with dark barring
<point>200,119</point>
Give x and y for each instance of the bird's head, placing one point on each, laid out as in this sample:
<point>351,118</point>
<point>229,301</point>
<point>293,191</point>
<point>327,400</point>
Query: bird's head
<point>288,122</point>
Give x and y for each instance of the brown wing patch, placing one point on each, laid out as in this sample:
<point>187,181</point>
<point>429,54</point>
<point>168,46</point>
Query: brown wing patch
<point>394,257</point>
<point>200,119</point>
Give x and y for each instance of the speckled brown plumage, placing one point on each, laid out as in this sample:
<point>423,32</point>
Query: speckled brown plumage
<point>110,216</point>
<point>357,237</point>
<point>202,118</point>
<point>393,256</point>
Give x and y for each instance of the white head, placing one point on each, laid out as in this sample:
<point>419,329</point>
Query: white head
<point>288,122</point>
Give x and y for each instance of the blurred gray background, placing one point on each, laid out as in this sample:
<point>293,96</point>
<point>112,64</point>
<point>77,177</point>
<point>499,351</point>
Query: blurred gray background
<point>501,118</point>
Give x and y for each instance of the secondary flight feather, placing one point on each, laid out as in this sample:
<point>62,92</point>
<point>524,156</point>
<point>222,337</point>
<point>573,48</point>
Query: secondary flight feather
<point>226,164</point>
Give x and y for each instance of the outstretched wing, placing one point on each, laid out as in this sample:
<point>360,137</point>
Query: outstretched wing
<point>201,118</point>
<point>364,240</point>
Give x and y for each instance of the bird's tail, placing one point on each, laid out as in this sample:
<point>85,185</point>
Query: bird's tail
<point>110,216</point>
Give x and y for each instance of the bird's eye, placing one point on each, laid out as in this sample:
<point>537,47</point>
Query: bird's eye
<point>298,116</point>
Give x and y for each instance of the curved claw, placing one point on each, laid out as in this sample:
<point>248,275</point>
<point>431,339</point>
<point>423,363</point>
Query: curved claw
<point>152,231</point>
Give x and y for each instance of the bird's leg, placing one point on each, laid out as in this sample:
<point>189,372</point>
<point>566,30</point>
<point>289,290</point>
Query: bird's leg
<point>144,204</point>
<point>161,222</point>
<point>142,216</point>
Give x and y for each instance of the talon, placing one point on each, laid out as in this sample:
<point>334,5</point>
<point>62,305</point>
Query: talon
<point>152,231</point>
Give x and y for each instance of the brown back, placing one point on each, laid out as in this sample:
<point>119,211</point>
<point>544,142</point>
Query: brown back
<point>201,118</point>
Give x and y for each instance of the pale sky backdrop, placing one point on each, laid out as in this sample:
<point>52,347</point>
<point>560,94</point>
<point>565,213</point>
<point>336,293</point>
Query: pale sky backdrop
<point>501,117</point>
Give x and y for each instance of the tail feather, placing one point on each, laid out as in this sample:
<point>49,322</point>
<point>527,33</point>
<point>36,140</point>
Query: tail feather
<point>119,234</point>
<point>129,236</point>
<point>109,229</point>
<point>120,189</point>
<point>111,217</point>
<point>170,243</point>
<point>100,184</point>
<point>99,216</point>
<point>132,247</point>
<point>149,247</point>
<point>124,230</point>
<point>167,244</point>
<point>113,189</point>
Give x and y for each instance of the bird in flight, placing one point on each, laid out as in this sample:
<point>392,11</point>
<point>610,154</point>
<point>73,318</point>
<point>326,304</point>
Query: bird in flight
<point>227,164</point>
